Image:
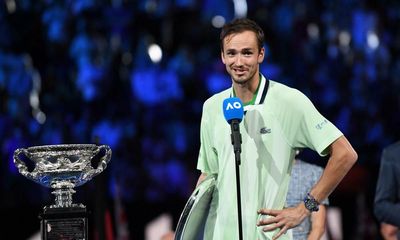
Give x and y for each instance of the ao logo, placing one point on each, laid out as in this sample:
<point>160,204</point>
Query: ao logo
<point>231,106</point>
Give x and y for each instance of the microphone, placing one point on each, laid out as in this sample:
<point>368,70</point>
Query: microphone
<point>233,113</point>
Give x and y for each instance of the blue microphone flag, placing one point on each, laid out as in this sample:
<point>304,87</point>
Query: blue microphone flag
<point>233,109</point>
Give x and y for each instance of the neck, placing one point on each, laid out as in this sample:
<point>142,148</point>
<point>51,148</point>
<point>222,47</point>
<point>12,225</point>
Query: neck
<point>246,91</point>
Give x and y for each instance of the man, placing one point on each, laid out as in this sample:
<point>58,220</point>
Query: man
<point>278,121</point>
<point>303,177</point>
<point>387,204</point>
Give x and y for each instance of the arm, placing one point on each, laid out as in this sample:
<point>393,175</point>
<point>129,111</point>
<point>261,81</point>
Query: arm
<point>342,158</point>
<point>318,220</point>
<point>388,231</point>
<point>201,178</point>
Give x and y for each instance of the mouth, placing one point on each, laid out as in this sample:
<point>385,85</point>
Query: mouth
<point>239,71</point>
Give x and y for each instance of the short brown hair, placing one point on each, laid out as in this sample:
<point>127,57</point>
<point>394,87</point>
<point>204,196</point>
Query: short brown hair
<point>240,25</point>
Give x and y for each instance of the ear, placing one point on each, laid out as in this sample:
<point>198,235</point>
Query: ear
<point>261,55</point>
<point>222,57</point>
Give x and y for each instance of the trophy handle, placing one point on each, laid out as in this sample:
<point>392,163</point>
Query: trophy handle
<point>102,163</point>
<point>22,168</point>
<point>104,159</point>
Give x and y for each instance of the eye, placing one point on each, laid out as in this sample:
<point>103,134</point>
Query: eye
<point>247,53</point>
<point>230,53</point>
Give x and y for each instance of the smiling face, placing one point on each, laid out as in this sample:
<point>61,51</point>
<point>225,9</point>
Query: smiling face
<point>242,56</point>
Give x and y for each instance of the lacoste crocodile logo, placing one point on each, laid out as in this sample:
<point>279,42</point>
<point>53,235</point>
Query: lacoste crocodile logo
<point>265,130</point>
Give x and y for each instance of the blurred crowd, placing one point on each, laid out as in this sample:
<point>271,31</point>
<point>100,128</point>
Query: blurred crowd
<point>134,74</point>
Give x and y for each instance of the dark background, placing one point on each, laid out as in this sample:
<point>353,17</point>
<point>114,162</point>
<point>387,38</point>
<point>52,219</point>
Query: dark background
<point>79,72</point>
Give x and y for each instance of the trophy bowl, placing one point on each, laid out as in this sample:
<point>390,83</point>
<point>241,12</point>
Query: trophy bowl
<point>62,167</point>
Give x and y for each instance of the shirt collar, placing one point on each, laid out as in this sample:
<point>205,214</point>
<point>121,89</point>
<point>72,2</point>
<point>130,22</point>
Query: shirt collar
<point>261,94</point>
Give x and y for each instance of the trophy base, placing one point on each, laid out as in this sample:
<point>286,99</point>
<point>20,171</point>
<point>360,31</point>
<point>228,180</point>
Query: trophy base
<point>64,223</point>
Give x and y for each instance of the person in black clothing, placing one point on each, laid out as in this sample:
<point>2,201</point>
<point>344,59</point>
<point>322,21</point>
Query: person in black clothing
<point>387,195</point>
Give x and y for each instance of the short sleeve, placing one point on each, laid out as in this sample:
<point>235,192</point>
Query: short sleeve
<point>313,130</point>
<point>208,157</point>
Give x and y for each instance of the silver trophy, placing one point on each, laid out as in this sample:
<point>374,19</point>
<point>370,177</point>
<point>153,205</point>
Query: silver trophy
<point>62,167</point>
<point>199,211</point>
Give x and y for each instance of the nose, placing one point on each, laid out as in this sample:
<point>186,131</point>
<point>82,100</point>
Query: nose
<point>239,60</point>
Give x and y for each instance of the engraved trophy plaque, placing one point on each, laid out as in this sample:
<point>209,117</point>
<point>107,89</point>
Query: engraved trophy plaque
<point>62,168</point>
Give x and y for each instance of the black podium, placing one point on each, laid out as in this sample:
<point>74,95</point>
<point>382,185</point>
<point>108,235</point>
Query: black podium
<point>64,223</point>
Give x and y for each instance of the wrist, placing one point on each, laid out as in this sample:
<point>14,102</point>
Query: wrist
<point>304,212</point>
<point>310,203</point>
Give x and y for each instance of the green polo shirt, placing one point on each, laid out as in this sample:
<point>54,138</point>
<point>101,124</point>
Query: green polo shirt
<point>281,120</point>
